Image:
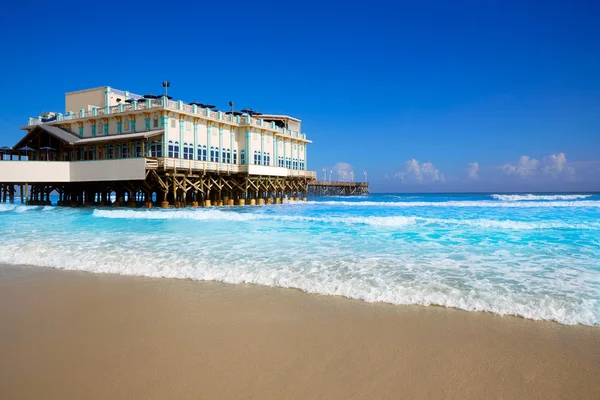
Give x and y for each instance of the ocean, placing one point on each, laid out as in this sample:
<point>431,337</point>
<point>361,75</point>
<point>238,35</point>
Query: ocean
<point>532,255</point>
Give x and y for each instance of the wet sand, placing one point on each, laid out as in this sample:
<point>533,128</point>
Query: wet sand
<point>74,335</point>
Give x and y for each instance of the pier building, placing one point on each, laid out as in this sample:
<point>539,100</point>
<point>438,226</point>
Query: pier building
<point>146,149</point>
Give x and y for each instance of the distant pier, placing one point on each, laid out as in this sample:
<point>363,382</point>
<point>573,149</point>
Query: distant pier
<point>328,188</point>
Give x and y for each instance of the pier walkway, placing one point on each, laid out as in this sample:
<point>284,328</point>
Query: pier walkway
<point>327,188</point>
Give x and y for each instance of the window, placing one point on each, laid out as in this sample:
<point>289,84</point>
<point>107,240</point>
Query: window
<point>125,151</point>
<point>171,149</point>
<point>155,121</point>
<point>228,156</point>
<point>201,153</point>
<point>243,157</point>
<point>111,152</point>
<point>126,124</point>
<point>256,159</point>
<point>187,151</point>
<point>235,156</point>
<point>173,123</point>
<point>156,149</point>
<point>176,150</point>
<point>138,149</point>
<point>212,154</point>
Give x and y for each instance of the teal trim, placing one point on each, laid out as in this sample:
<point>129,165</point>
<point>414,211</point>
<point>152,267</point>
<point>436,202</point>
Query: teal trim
<point>195,155</point>
<point>94,130</point>
<point>106,128</point>
<point>305,160</point>
<point>275,151</point>
<point>262,148</point>
<point>248,146</point>
<point>165,123</point>
<point>81,131</point>
<point>231,139</point>
<point>107,96</point>
<point>208,137</point>
<point>147,124</point>
<point>119,127</point>
<point>220,155</point>
<point>181,128</point>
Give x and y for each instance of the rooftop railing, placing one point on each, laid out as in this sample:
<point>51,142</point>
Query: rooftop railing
<point>172,105</point>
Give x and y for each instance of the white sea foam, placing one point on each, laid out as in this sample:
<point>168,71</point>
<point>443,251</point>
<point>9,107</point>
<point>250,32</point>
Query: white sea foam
<point>389,221</point>
<point>539,197</point>
<point>458,204</point>
<point>369,279</point>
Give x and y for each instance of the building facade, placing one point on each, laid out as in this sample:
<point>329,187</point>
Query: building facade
<point>163,139</point>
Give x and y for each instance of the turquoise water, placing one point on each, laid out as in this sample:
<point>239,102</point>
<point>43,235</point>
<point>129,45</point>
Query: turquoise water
<point>536,256</point>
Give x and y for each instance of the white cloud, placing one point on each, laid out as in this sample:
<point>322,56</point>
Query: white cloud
<point>554,165</point>
<point>342,171</point>
<point>413,172</point>
<point>473,171</point>
<point>526,166</point>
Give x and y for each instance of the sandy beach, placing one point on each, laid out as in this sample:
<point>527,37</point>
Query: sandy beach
<point>75,335</point>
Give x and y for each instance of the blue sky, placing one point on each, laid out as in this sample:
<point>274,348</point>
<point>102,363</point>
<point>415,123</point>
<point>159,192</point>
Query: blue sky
<point>452,95</point>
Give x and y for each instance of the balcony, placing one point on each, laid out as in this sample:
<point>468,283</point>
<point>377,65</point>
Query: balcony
<point>206,166</point>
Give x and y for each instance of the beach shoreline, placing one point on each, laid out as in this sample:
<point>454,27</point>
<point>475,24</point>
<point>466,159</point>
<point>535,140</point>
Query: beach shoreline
<point>70,335</point>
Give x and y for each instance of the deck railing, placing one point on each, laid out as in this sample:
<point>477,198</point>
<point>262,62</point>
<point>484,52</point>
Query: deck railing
<point>243,120</point>
<point>207,166</point>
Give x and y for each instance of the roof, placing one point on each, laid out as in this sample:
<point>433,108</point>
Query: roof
<point>276,116</point>
<point>57,132</point>
<point>71,138</point>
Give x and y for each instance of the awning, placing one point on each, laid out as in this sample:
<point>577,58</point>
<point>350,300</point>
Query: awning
<point>123,136</point>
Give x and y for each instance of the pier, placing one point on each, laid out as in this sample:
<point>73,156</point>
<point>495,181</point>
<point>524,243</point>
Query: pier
<point>327,188</point>
<point>149,182</point>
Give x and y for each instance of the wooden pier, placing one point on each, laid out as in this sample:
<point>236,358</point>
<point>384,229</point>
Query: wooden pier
<point>326,188</point>
<point>168,183</point>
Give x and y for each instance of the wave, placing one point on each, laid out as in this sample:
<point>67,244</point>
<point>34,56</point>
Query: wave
<point>458,204</point>
<point>363,279</point>
<point>538,197</point>
<point>389,221</point>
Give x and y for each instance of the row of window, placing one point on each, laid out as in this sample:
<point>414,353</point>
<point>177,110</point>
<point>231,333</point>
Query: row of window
<point>226,155</point>
<point>127,126</point>
<point>202,153</point>
<point>290,163</point>
<point>112,151</point>
<point>262,158</point>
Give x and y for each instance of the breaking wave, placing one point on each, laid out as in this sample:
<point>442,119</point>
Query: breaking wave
<point>389,221</point>
<point>539,197</point>
<point>368,279</point>
<point>458,204</point>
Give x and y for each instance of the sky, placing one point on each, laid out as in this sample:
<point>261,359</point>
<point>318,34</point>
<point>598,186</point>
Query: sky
<point>426,96</point>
